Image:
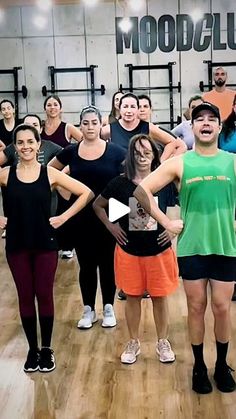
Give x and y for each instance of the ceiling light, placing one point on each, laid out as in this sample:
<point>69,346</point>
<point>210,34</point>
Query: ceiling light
<point>125,24</point>
<point>136,5</point>
<point>40,22</point>
<point>90,3</point>
<point>196,15</point>
<point>44,5</point>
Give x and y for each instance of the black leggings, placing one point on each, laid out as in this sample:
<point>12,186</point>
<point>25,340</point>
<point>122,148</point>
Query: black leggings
<point>98,252</point>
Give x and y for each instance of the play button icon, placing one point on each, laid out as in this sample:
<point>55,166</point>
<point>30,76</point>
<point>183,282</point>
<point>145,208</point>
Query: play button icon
<point>116,209</point>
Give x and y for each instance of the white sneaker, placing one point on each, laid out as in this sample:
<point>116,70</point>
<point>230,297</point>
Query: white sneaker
<point>88,318</point>
<point>164,351</point>
<point>67,254</point>
<point>132,350</point>
<point>109,319</point>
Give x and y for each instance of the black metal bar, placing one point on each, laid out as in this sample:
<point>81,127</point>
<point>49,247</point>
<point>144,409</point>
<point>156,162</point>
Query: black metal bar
<point>220,63</point>
<point>149,88</point>
<point>15,76</point>
<point>131,84</point>
<point>92,85</point>
<point>166,122</point>
<point>73,69</point>
<point>52,77</point>
<point>150,67</point>
<point>209,75</point>
<point>171,96</point>
<point>10,71</point>
<point>75,90</point>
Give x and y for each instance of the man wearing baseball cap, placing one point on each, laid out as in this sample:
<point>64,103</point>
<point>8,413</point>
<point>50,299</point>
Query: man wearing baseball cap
<point>206,248</point>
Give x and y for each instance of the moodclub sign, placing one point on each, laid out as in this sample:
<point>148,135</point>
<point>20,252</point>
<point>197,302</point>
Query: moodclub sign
<point>180,32</point>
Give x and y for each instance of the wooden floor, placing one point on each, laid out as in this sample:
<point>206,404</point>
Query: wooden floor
<point>89,381</point>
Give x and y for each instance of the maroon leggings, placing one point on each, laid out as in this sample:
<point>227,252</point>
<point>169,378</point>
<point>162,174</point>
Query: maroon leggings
<point>33,273</point>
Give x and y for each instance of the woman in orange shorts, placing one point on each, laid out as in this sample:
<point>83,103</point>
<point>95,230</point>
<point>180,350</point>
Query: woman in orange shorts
<point>144,258</point>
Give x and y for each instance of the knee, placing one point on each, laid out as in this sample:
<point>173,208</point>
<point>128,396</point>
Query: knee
<point>197,308</point>
<point>220,308</point>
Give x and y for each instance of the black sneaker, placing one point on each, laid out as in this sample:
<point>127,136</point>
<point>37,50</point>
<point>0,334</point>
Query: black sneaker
<point>200,381</point>
<point>121,295</point>
<point>223,378</point>
<point>32,361</point>
<point>46,360</point>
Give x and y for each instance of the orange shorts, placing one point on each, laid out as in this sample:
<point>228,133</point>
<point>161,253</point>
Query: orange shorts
<point>156,274</point>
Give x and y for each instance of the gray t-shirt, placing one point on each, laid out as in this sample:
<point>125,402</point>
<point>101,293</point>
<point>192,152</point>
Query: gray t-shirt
<point>47,151</point>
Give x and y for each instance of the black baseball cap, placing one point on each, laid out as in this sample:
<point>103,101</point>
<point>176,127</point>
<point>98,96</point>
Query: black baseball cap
<point>205,106</point>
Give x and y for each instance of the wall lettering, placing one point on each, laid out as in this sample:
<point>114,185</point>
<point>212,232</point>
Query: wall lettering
<point>180,32</point>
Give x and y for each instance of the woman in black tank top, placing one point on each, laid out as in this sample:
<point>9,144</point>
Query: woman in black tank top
<point>55,129</point>
<point>114,115</point>
<point>31,247</point>
<point>7,124</point>
<point>129,124</point>
<point>60,133</point>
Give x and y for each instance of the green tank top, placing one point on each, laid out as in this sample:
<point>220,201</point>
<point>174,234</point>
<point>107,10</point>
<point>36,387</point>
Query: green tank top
<point>207,200</point>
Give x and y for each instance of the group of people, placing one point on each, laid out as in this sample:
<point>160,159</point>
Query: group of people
<point>128,158</point>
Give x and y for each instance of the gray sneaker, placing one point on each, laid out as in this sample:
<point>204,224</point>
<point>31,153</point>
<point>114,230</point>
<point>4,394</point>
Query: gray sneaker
<point>109,319</point>
<point>164,351</point>
<point>132,350</point>
<point>88,318</point>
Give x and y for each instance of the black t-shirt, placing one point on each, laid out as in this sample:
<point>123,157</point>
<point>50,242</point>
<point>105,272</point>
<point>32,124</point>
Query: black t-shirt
<point>93,173</point>
<point>141,229</point>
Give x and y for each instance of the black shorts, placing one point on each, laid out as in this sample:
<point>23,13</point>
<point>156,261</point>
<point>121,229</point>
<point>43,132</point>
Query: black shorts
<point>221,268</point>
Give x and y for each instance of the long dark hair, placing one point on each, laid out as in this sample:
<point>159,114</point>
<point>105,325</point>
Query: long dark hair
<point>113,109</point>
<point>229,123</point>
<point>130,164</point>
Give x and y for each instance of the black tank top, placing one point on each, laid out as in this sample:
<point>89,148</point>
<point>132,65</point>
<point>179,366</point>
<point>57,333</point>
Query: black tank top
<point>121,136</point>
<point>5,135</point>
<point>28,209</point>
<point>58,137</point>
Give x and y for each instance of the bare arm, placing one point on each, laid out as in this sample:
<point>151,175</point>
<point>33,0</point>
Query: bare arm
<point>106,132</point>
<point>59,166</point>
<point>74,133</point>
<point>167,172</point>
<point>173,146</point>
<point>56,164</point>
<point>84,194</point>
<point>3,182</point>
<point>105,120</point>
<point>3,158</point>
<point>99,206</point>
<point>2,145</point>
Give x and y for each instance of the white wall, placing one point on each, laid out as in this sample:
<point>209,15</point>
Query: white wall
<point>75,36</point>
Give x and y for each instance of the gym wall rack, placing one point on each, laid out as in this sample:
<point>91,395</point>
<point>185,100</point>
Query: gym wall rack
<point>210,65</point>
<point>53,71</point>
<point>170,87</point>
<point>16,92</point>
